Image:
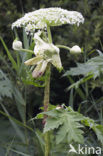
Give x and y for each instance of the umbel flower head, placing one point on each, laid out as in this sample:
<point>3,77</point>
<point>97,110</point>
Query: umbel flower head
<point>45,53</point>
<point>39,19</point>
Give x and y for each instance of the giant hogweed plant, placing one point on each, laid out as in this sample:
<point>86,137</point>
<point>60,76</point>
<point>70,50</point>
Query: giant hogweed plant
<point>66,125</point>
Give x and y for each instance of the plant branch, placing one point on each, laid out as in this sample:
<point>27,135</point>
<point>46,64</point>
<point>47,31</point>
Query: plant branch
<point>49,34</point>
<point>64,47</point>
<point>26,50</point>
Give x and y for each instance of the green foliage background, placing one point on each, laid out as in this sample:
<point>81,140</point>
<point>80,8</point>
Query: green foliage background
<point>89,36</point>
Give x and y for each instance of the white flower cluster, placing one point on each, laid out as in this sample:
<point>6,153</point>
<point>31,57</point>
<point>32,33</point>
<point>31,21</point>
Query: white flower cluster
<point>39,19</point>
<point>45,53</point>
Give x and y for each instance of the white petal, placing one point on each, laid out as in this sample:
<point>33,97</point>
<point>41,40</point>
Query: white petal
<point>56,61</point>
<point>40,69</point>
<point>36,72</point>
<point>44,65</point>
<point>33,60</point>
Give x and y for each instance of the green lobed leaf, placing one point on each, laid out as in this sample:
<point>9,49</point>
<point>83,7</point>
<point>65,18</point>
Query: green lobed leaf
<point>17,129</point>
<point>5,85</point>
<point>52,123</point>
<point>7,88</point>
<point>67,125</point>
<point>98,129</point>
<point>39,116</point>
<point>92,66</point>
<point>91,69</point>
<point>82,80</point>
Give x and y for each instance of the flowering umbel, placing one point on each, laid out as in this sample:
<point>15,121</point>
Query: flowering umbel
<point>45,53</point>
<point>39,19</point>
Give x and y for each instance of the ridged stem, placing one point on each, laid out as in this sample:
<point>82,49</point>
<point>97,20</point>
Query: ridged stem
<point>46,98</point>
<point>46,103</point>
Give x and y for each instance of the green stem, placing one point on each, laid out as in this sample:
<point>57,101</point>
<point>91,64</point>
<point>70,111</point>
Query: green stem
<point>46,103</point>
<point>26,50</point>
<point>64,47</point>
<point>46,99</point>
<point>49,34</point>
<point>47,88</point>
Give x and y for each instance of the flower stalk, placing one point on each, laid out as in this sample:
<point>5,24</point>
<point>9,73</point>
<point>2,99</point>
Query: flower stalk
<point>46,103</point>
<point>64,47</point>
<point>46,98</point>
<point>74,50</point>
<point>49,34</point>
<point>27,50</point>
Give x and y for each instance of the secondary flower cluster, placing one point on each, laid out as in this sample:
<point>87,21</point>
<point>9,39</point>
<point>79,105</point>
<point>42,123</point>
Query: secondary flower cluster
<point>48,16</point>
<point>45,53</point>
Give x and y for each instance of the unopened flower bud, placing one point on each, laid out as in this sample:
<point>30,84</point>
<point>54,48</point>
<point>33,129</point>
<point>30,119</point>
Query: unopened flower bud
<point>17,45</point>
<point>75,50</point>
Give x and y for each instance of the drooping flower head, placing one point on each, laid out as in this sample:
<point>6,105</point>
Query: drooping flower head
<point>45,53</point>
<point>39,19</point>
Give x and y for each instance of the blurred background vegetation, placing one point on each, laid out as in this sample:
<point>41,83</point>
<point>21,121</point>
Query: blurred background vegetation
<point>23,101</point>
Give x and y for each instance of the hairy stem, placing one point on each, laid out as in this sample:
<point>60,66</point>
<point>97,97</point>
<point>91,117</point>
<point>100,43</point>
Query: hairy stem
<point>46,103</point>
<point>46,98</point>
<point>47,89</point>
